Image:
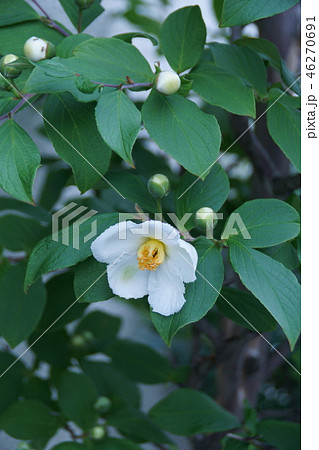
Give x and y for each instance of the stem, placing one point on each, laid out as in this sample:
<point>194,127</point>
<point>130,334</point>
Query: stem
<point>122,86</point>
<point>50,22</point>
<point>80,20</point>
<point>17,107</point>
<point>159,205</point>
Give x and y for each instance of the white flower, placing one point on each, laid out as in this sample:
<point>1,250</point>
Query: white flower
<point>37,49</point>
<point>167,82</point>
<point>152,260</point>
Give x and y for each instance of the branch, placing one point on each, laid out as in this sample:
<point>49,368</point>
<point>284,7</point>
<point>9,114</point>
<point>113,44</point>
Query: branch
<point>10,113</point>
<point>121,85</point>
<point>50,21</point>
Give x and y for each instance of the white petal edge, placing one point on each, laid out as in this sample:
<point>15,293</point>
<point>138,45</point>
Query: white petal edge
<point>125,279</point>
<point>185,258</point>
<point>166,290</point>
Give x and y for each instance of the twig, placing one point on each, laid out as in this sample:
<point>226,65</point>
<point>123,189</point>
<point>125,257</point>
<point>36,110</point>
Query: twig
<point>17,107</point>
<point>51,22</point>
<point>248,440</point>
<point>80,20</point>
<point>121,86</point>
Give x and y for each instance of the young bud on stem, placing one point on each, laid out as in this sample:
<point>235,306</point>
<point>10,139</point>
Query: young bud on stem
<point>37,49</point>
<point>204,218</point>
<point>158,185</point>
<point>7,71</point>
<point>167,82</point>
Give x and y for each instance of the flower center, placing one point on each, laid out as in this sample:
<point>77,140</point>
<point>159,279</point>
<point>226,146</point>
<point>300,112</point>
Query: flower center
<point>151,254</point>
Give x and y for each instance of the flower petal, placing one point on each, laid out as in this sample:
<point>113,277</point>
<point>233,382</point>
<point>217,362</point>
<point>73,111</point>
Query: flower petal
<point>108,246</point>
<point>185,258</point>
<point>156,229</point>
<point>166,289</point>
<point>125,278</point>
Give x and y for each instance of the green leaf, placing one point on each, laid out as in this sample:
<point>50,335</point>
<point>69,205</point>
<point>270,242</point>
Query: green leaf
<point>200,296</point>
<point>188,412</point>
<point>285,253</point>
<point>212,193</point>
<point>15,11</point>
<point>20,233</point>
<point>268,222</point>
<point>52,347</point>
<point>19,312</point>
<point>119,121</point>
<point>13,37</point>
<point>88,15</point>
<point>180,128</point>
<point>68,44</point>
<point>19,161</point>
<point>11,381</point>
<point>70,446</point>
<point>245,310</point>
<point>76,123</point>
<point>77,396</point>
<point>56,180</point>
<point>128,37</point>
<point>241,12</point>
<point>137,426</point>
<point>183,36</point>
<point>282,435</point>
<point>30,419</point>
<point>50,255</point>
<point>11,204</point>
<point>111,383</point>
<point>140,363</point>
<point>244,62</point>
<point>98,59</point>
<point>85,274</point>
<point>221,87</point>
<point>116,444</point>
<point>283,121</point>
<point>275,286</point>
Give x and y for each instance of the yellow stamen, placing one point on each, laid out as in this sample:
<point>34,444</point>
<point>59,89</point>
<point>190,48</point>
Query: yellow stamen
<point>151,254</point>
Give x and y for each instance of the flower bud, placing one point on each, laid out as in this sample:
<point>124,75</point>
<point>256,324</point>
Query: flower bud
<point>84,4</point>
<point>103,404</point>
<point>204,218</point>
<point>9,71</point>
<point>37,49</point>
<point>167,82</point>
<point>85,85</point>
<point>97,433</point>
<point>158,185</point>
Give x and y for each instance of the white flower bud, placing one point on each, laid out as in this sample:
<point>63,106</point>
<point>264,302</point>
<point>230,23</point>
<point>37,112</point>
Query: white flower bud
<point>6,70</point>
<point>204,218</point>
<point>167,82</point>
<point>103,404</point>
<point>158,185</point>
<point>37,49</point>
<point>97,432</point>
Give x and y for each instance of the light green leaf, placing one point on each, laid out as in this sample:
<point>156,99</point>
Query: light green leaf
<point>86,273</point>
<point>19,161</point>
<point>119,121</point>
<point>283,121</point>
<point>181,129</point>
<point>212,193</point>
<point>200,295</point>
<point>183,36</point>
<point>30,419</point>
<point>15,11</point>
<point>81,139</point>
<point>19,312</point>
<point>77,396</point>
<point>188,412</point>
<point>221,87</point>
<point>88,15</point>
<point>50,255</point>
<point>244,62</point>
<point>275,286</point>
<point>68,44</point>
<point>241,12</point>
<point>268,222</point>
<point>243,308</point>
<point>128,37</point>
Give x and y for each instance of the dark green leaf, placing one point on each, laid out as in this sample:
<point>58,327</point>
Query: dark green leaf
<point>88,15</point>
<point>283,121</point>
<point>77,396</point>
<point>275,286</point>
<point>76,123</point>
<point>19,161</point>
<point>20,233</point>
<point>19,312</point>
<point>30,419</point>
<point>54,183</point>
<point>284,253</point>
<point>241,12</point>
<point>11,204</point>
<point>86,273</point>
<point>119,121</point>
<point>128,37</point>
<point>243,308</point>
<point>103,328</point>
<point>70,446</point>
<point>68,44</point>
<point>183,37</point>
<point>116,444</point>
<point>15,11</point>
<point>268,222</point>
<point>200,296</point>
<point>187,412</point>
<point>282,435</point>
<point>221,87</point>
<point>11,381</point>
<point>50,255</point>
<point>52,347</point>
<point>181,129</point>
